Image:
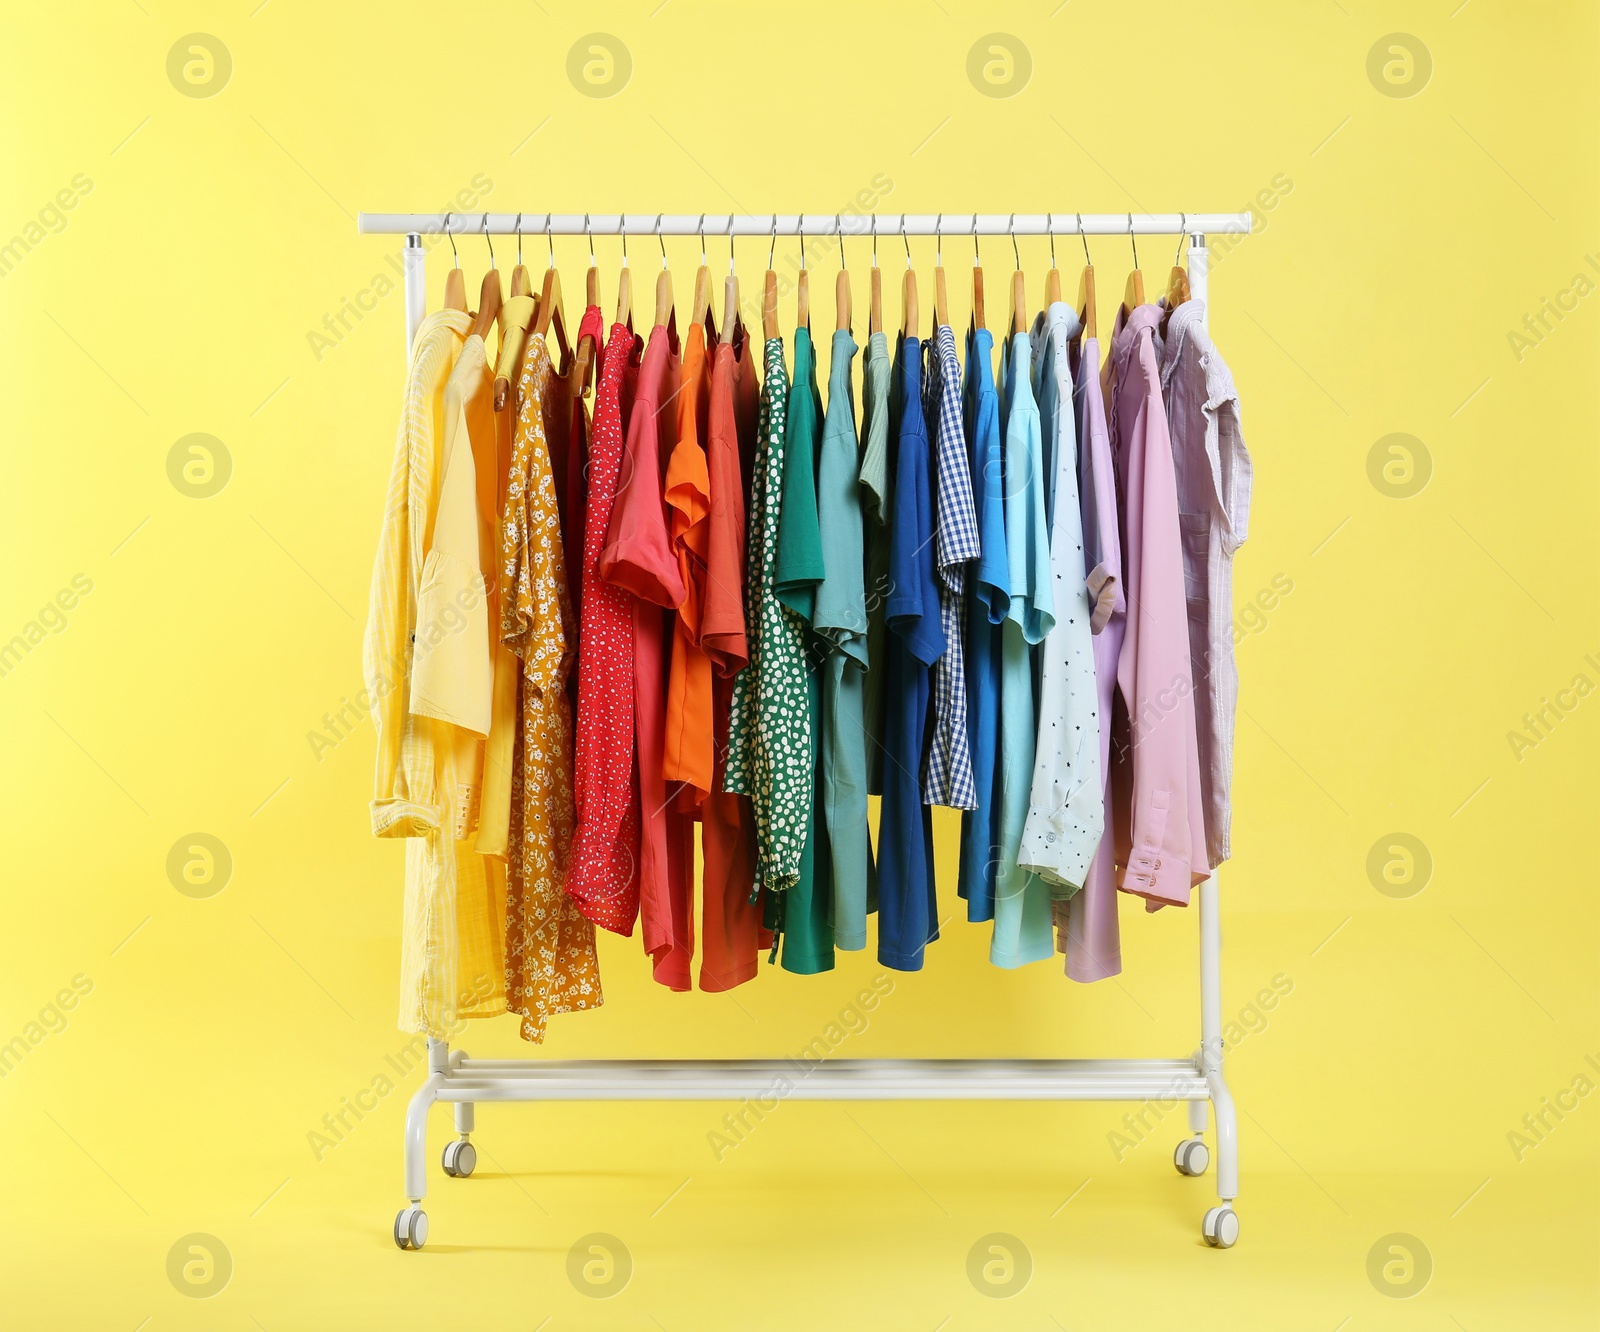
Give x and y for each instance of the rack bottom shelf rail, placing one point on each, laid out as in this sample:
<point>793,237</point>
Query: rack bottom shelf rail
<point>455,1077</point>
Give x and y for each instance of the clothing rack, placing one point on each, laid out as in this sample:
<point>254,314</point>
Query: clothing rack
<point>455,1077</point>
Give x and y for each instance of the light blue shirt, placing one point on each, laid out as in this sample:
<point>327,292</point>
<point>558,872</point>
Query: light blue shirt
<point>1022,912</point>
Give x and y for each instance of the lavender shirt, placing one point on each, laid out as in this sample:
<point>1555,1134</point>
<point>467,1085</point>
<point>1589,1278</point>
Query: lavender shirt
<point>1087,923</point>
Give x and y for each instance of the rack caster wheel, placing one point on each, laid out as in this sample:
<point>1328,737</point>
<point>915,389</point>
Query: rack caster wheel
<point>1221,1227</point>
<point>1191,1157</point>
<point>460,1158</point>
<point>411,1227</point>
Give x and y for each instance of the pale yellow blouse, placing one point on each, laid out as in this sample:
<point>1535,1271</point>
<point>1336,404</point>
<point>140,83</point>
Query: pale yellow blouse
<point>429,669</point>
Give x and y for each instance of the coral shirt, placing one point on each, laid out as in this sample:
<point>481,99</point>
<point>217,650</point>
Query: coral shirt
<point>638,558</point>
<point>731,921</point>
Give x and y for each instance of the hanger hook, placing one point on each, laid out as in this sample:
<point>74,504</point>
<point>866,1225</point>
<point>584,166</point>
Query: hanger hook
<point>592,260</point>
<point>904,240</point>
<point>800,227</point>
<point>773,248</point>
<point>487,241</point>
<point>1084,237</point>
<point>660,240</point>
<point>874,240</point>
<point>730,245</point>
<point>519,240</point>
<point>977,259</point>
<point>549,238</point>
<point>450,236</point>
<point>1133,241</point>
<point>702,229</point>
<point>1011,226</point>
<point>838,226</point>
<point>1050,226</point>
<point>938,241</point>
<point>622,230</point>
<point>1183,232</point>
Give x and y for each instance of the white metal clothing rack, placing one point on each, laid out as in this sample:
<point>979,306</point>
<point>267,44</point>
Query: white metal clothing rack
<point>1197,1079</point>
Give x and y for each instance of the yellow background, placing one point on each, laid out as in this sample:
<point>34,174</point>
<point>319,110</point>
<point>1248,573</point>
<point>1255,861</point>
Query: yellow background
<point>1375,297</point>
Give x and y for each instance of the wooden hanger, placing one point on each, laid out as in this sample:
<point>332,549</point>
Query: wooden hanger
<point>1178,280</point>
<point>908,290</point>
<point>521,283</point>
<point>551,310</point>
<point>875,300</point>
<point>977,279</point>
<point>941,305</point>
<point>1133,292</point>
<point>1019,296</point>
<point>490,295</point>
<point>664,281</point>
<point>769,290</point>
<point>625,282</point>
<point>584,354</point>
<point>841,284</point>
<point>513,333</point>
<point>700,307</point>
<point>802,305</point>
<point>1086,298</point>
<point>455,281</point>
<point>1052,279</point>
<point>730,293</point>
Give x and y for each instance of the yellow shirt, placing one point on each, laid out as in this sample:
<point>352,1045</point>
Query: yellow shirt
<point>427,575</point>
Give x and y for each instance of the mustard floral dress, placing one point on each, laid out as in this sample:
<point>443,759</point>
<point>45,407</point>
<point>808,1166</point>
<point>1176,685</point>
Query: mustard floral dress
<point>550,953</point>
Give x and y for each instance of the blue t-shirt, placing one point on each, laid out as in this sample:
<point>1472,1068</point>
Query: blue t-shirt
<point>908,917</point>
<point>988,599</point>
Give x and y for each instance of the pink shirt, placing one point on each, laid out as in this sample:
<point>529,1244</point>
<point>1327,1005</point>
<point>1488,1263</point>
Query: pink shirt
<point>1159,816</point>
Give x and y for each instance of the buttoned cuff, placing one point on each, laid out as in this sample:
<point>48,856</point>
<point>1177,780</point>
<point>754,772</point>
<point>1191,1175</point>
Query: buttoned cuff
<point>394,817</point>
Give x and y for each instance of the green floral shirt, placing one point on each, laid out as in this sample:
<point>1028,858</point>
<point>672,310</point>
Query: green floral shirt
<point>769,734</point>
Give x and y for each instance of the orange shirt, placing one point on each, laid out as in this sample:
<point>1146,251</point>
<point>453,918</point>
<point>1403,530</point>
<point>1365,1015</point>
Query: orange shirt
<point>687,752</point>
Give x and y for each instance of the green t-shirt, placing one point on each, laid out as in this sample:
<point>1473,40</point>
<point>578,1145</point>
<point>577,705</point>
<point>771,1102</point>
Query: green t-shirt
<point>807,925</point>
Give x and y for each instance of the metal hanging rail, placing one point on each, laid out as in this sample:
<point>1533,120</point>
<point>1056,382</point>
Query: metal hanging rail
<point>455,1077</point>
<point>811,224</point>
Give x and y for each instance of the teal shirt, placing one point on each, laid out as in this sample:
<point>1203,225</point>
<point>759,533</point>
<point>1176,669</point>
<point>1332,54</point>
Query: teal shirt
<point>841,620</point>
<point>808,905</point>
<point>1022,911</point>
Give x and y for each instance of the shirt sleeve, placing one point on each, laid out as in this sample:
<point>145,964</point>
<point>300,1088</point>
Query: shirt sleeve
<point>385,648</point>
<point>722,624</point>
<point>450,669</point>
<point>638,555</point>
<point>799,566</point>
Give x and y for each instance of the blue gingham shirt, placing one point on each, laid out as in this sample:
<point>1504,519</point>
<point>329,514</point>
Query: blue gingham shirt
<point>948,780</point>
